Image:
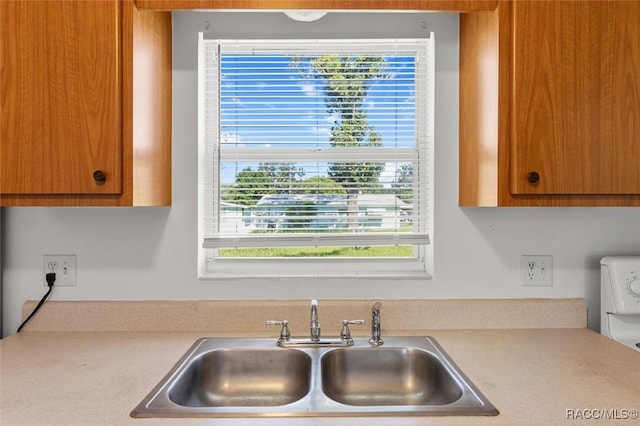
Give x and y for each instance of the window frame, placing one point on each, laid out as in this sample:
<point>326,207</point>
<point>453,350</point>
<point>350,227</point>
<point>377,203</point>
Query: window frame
<point>420,266</point>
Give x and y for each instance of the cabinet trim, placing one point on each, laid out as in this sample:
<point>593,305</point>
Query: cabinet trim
<point>435,5</point>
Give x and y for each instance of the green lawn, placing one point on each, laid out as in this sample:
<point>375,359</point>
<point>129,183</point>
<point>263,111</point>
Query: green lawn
<point>374,251</point>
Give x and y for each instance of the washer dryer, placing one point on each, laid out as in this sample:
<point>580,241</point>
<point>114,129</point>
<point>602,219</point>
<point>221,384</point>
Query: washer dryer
<point>620,299</point>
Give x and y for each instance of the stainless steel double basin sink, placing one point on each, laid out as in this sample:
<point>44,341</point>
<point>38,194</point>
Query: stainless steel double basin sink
<point>253,378</point>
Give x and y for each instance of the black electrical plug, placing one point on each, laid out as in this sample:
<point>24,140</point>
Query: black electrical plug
<point>51,278</point>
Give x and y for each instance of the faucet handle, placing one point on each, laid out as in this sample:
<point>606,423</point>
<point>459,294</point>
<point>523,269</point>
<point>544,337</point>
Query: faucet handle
<point>285,333</point>
<point>345,333</point>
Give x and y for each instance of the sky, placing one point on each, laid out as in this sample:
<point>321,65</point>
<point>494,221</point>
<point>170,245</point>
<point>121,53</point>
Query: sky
<point>265,103</point>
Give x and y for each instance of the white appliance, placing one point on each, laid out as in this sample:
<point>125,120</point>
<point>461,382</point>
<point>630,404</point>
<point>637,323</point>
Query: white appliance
<point>620,299</point>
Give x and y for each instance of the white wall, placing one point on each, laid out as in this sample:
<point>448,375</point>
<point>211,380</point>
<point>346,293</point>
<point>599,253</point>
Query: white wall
<point>150,253</point>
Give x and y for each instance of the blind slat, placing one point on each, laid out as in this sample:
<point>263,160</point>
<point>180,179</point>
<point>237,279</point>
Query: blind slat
<point>316,240</point>
<point>318,154</point>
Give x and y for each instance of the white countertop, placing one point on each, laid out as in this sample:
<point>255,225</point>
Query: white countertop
<point>535,376</point>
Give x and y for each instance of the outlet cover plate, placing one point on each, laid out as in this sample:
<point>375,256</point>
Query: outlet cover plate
<point>64,266</point>
<point>537,270</point>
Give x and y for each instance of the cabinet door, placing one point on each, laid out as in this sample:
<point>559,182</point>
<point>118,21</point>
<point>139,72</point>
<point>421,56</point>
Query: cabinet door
<point>61,106</point>
<point>575,99</point>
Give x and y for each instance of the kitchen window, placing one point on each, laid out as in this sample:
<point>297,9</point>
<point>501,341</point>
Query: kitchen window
<point>316,158</point>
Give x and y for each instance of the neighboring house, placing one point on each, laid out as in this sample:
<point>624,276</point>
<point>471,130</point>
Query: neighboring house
<point>323,212</point>
<point>233,217</point>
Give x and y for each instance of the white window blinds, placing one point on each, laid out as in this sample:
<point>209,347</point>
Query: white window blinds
<point>316,143</point>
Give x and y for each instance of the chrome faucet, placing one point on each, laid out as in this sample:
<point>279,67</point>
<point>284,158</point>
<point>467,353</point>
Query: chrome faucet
<point>314,325</point>
<point>376,339</point>
<point>344,339</point>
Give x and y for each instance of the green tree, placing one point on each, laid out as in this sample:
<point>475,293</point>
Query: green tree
<point>320,185</point>
<point>403,183</point>
<point>251,185</point>
<point>346,81</point>
<point>269,178</point>
<point>300,215</point>
<point>284,176</point>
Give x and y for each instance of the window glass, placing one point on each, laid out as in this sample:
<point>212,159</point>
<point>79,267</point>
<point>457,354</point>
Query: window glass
<point>316,150</point>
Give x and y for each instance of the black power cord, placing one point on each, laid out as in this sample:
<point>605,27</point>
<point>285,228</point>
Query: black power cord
<point>51,278</point>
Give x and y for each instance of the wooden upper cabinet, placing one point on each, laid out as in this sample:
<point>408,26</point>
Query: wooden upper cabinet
<point>70,132</point>
<point>575,97</point>
<point>550,104</point>
<point>62,97</point>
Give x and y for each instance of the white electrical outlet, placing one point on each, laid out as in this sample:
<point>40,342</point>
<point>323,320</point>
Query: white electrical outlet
<point>537,271</point>
<point>64,266</point>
